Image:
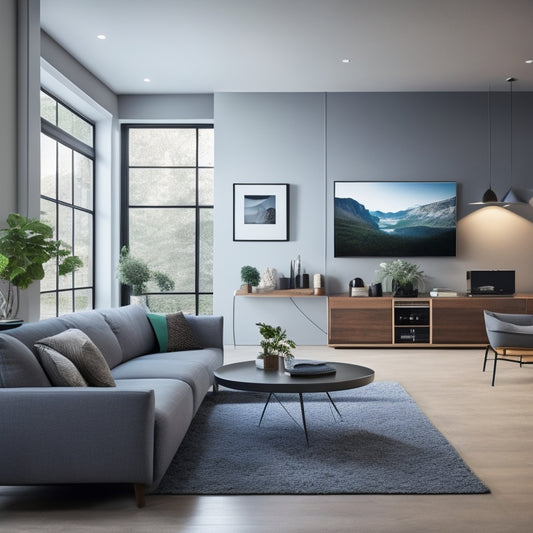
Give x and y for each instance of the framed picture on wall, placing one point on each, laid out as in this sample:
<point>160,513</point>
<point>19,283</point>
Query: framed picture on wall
<point>260,212</point>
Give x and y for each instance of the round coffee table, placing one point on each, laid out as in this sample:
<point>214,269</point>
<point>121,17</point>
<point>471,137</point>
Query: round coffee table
<point>246,376</point>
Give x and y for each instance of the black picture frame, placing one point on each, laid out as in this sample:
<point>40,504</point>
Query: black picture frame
<point>261,211</point>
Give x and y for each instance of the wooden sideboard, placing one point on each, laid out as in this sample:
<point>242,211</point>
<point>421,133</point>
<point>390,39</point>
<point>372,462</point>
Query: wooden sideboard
<point>416,322</point>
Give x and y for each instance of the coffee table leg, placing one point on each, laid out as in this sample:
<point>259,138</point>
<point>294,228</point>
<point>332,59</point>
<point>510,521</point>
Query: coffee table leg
<point>303,417</point>
<point>264,408</point>
<point>335,407</point>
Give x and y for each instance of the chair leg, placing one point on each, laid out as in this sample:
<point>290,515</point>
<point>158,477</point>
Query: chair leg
<point>494,369</point>
<point>486,355</point>
<point>139,495</point>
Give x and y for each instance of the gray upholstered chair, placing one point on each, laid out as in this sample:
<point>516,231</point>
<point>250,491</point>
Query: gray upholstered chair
<point>510,338</point>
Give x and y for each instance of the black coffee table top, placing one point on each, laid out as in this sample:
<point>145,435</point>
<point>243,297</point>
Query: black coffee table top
<point>246,376</point>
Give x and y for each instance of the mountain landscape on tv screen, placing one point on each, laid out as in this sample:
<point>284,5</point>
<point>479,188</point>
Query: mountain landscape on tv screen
<point>422,230</point>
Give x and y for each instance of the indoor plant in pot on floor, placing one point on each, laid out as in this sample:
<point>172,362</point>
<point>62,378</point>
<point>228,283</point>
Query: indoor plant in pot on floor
<point>25,246</point>
<point>274,346</point>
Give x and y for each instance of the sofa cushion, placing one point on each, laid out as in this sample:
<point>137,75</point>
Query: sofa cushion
<point>97,329</point>
<point>78,347</point>
<point>194,373</point>
<point>30,332</point>
<point>18,365</point>
<point>132,329</point>
<point>61,371</point>
<point>173,332</point>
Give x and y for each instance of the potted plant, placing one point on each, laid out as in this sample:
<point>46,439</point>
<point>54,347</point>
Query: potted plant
<point>404,277</point>
<point>135,273</point>
<point>250,277</point>
<point>25,246</point>
<point>274,345</point>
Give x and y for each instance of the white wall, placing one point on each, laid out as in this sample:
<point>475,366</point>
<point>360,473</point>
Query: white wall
<point>8,109</point>
<point>270,138</point>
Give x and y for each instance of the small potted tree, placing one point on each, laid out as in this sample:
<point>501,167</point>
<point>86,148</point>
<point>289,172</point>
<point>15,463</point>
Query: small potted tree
<point>25,246</point>
<point>250,277</point>
<point>274,346</point>
<point>135,273</point>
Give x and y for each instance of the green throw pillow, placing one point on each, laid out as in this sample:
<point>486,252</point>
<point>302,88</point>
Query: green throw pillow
<point>173,332</point>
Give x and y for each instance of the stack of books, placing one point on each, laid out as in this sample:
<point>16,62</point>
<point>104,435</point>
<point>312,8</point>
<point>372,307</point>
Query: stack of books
<point>440,291</point>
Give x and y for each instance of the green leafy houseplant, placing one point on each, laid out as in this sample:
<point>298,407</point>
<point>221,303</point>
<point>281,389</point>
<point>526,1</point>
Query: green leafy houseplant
<point>136,273</point>
<point>274,345</point>
<point>403,275</point>
<point>250,276</point>
<point>25,246</point>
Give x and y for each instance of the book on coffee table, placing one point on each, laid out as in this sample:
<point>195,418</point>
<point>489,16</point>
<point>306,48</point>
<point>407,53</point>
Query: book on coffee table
<point>310,368</point>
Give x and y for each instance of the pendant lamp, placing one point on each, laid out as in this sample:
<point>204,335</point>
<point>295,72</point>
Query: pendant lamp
<point>489,196</point>
<point>515,195</point>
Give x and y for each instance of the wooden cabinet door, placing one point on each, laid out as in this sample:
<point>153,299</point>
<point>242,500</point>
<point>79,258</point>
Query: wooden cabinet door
<point>359,321</point>
<point>461,321</point>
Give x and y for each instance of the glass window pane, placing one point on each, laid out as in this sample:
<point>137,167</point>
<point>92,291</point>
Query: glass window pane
<point>162,147</point>
<point>83,181</point>
<point>206,250</point>
<point>205,186</point>
<point>48,305</point>
<point>171,303</point>
<point>206,151</point>
<point>83,299</point>
<point>64,234</point>
<point>48,108</point>
<point>65,302</point>
<point>165,239</point>
<point>162,186</point>
<point>75,125</point>
<point>205,304</point>
<point>48,166</point>
<point>48,216</point>
<point>83,246</point>
<point>65,173</point>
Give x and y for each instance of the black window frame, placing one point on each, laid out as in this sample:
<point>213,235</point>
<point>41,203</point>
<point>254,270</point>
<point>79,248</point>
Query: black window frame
<point>66,139</point>
<point>125,205</point>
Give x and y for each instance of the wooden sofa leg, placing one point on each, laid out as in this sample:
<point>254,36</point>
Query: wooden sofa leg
<point>139,495</point>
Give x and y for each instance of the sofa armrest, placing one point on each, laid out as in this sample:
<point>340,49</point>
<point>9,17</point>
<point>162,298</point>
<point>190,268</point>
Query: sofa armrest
<point>76,435</point>
<point>208,329</point>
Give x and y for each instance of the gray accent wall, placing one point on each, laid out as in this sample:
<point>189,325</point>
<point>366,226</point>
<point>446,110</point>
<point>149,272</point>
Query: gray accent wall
<point>310,140</point>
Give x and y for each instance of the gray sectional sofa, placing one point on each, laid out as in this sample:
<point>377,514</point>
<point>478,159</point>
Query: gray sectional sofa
<point>127,433</point>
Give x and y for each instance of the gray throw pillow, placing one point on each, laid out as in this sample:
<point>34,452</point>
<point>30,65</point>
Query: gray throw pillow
<point>87,358</point>
<point>18,365</point>
<point>61,371</point>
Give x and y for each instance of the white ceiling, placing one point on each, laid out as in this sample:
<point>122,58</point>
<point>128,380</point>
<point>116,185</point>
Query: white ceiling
<point>205,46</point>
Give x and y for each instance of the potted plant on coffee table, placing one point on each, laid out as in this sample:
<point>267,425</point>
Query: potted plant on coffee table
<point>274,346</point>
<point>25,246</point>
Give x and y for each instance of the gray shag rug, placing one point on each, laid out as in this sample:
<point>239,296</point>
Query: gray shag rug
<point>384,444</point>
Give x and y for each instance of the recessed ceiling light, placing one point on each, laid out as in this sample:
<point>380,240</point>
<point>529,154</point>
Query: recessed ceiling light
<point>346,60</point>
<point>147,80</point>
<point>529,61</point>
<point>102,37</point>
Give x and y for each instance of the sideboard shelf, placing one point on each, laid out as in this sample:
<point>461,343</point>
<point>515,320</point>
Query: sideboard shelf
<point>416,322</point>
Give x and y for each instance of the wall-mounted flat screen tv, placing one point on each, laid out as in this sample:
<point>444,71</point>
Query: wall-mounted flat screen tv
<point>395,218</point>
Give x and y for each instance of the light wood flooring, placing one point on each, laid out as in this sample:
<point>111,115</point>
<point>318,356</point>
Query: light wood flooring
<point>491,427</point>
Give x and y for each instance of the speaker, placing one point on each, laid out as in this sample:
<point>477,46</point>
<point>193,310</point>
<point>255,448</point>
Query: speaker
<point>490,282</point>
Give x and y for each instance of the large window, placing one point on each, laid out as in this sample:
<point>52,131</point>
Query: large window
<point>168,211</point>
<point>67,203</point>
